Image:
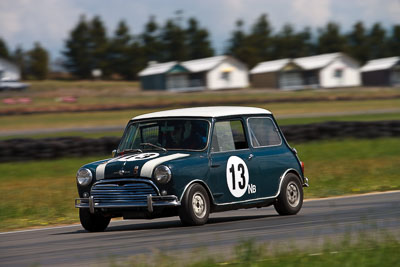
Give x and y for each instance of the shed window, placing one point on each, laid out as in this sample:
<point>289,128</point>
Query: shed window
<point>338,73</point>
<point>263,132</point>
<point>228,136</point>
<point>225,75</point>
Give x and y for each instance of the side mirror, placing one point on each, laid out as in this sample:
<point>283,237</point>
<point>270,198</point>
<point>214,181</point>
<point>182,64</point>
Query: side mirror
<point>113,153</point>
<point>294,150</point>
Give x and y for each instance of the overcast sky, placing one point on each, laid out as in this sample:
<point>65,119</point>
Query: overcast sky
<point>22,22</point>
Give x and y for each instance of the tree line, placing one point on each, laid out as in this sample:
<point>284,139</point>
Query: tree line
<point>33,63</point>
<point>123,54</point>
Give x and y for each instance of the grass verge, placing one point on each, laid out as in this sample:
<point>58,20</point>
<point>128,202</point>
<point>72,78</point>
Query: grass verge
<point>364,252</point>
<point>111,118</point>
<point>97,133</point>
<point>40,193</point>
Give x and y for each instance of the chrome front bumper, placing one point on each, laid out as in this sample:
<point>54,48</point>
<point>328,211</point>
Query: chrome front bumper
<point>305,184</point>
<point>93,203</point>
<point>126,194</point>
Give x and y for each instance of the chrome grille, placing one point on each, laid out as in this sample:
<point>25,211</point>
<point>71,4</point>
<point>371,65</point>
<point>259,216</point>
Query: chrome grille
<point>128,193</point>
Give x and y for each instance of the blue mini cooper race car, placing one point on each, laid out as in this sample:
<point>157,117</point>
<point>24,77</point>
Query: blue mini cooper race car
<point>191,162</point>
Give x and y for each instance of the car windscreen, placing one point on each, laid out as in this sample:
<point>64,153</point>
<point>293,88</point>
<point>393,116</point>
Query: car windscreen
<point>177,134</point>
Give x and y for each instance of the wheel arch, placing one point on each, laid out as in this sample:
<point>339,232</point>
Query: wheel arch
<point>202,183</point>
<point>293,171</point>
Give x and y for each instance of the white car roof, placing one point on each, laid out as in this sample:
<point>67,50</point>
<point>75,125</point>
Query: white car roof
<point>207,112</point>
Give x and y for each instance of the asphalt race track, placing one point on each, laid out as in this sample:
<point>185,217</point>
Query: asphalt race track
<point>319,220</point>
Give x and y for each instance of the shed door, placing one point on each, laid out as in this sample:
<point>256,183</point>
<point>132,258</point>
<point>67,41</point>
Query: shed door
<point>290,80</point>
<point>177,81</point>
<point>395,77</point>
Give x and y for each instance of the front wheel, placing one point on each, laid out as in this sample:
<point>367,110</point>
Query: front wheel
<point>290,199</point>
<point>195,207</point>
<point>93,222</point>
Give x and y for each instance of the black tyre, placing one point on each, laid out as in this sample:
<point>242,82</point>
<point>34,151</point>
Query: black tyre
<point>195,207</point>
<point>93,222</point>
<point>290,199</point>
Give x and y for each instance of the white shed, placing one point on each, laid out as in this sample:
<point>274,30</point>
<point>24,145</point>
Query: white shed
<point>382,72</point>
<point>325,71</point>
<point>9,71</point>
<point>213,73</point>
<point>332,70</point>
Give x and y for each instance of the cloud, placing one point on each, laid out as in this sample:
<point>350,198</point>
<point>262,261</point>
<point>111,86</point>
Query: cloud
<point>46,21</point>
<point>314,13</point>
<point>50,21</point>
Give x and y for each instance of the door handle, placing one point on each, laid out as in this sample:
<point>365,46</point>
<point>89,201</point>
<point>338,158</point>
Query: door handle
<point>251,156</point>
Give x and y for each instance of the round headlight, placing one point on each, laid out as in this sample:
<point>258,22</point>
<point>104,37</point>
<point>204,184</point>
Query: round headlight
<point>162,174</point>
<point>84,176</point>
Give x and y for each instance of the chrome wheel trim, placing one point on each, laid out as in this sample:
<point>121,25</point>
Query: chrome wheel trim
<point>199,205</point>
<point>293,194</point>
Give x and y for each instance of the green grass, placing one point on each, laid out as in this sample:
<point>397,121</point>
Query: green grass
<point>75,120</point>
<point>68,133</point>
<point>41,193</point>
<point>45,93</point>
<point>352,166</point>
<point>359,117</point>
<point>113,118</point>
<point>365,252</point>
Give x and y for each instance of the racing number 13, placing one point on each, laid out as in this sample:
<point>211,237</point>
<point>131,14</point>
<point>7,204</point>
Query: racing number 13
<point>237,176</point>
<point>242,171</point>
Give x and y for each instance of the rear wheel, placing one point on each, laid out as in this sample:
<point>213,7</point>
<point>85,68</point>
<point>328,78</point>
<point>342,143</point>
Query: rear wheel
<point>195,207</point>
<point>290,199</point>
<point>93,222</point>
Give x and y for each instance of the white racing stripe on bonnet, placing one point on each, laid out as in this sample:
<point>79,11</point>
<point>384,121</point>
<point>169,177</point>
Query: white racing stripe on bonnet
<point>148,167</point>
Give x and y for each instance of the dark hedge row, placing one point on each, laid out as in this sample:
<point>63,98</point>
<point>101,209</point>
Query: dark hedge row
<point>337,129</point>
<point>48,148</point>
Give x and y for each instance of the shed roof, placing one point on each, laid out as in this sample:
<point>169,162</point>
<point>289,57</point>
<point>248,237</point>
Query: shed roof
<point>5,64</point>
<point>269,66</point>
<point>203,64</point>
<point>207,112</point>
<point>380,64</point>
<point>157,68</point>
<point>196,65</point>
<point>306,63</point>
<point>316,62</point>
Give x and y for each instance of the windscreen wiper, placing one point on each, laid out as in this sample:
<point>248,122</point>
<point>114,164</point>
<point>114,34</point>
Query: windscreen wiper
<point>153,145</point>
<point>130,150</point>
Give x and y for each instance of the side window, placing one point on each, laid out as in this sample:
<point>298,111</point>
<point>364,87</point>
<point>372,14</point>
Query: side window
<point>263,132</point>
<point>228,136</point>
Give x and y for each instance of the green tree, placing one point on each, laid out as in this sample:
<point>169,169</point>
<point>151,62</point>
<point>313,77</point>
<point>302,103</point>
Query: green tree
<point>98,46</point>
<point>237,41</point>
<point>254,47</point>
<point>330,39</point>
<point>260,39</point>
<point>240,47</point>
<point>150,41</point>
<point>377,42</point>
<point>38,62</point>
<point>394,41</point>
<point>308,47</point>
<point>357,43</point>
<point>4,52</point>
<point>173,41</point>
<point>290,44</point>
<point>119,50</point>
<point>198,43</point>
<point>137,59</point>
<point>77,50</point>
<point>19,57</point>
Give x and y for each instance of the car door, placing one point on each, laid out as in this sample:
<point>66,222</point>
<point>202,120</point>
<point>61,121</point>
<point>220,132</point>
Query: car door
<point>271,155</point>
<point>231,165</point>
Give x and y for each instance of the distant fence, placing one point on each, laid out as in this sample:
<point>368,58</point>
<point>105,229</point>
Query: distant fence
<point>50,148</point>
